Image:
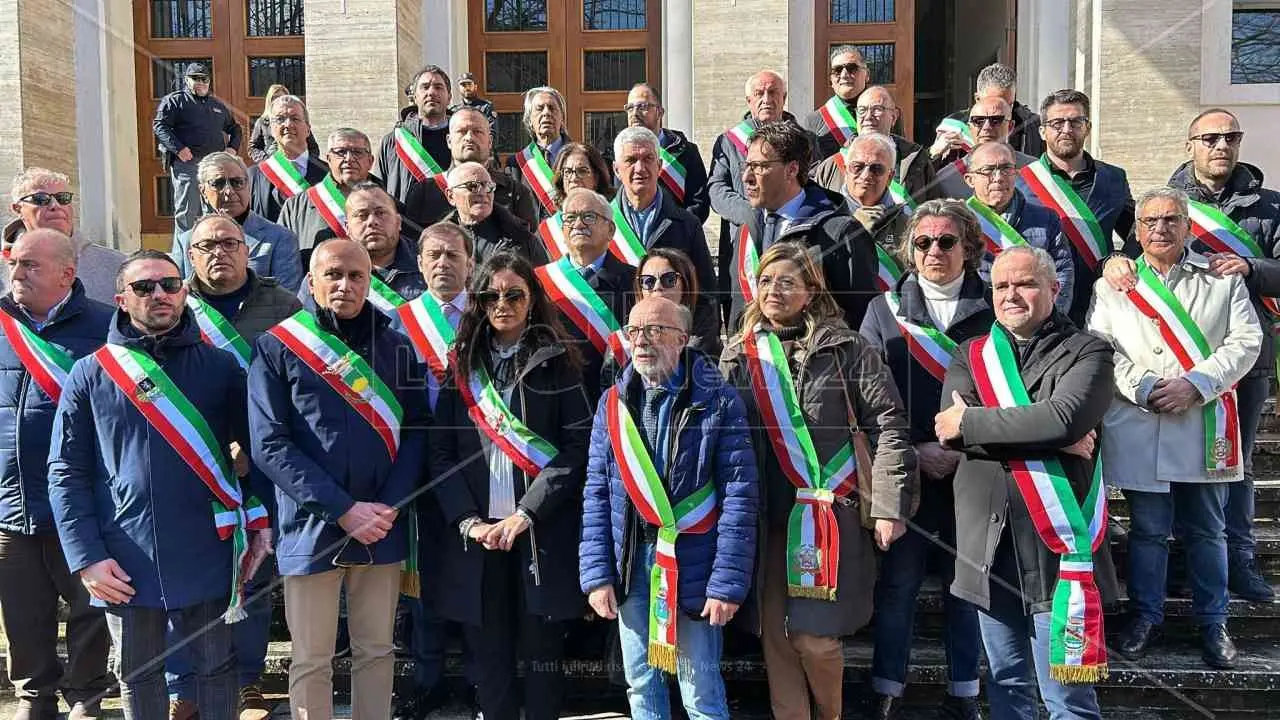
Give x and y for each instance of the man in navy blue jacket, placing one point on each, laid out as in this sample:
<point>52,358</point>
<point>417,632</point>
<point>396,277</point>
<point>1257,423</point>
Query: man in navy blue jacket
<point>338,413</point>
<point>137,465</point>
<point>47,301</point>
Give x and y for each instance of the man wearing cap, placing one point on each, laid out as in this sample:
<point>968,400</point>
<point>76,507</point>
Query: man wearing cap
<point>470,92</point>
<point>189,124</point>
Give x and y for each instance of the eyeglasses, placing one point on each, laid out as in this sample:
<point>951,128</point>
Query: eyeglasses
<point>42,198</point>
<point>780,284</point>
<point>944,242</point>
<point>1060,124</point>
<point>349,152</point>
<point>488,299</point>
<point>285,119</point>
<point>576,172</point>
<point>650,332</point>
<point>640,107</point>
<point>851,68</point>
<point>476,186</point>
<point>144,288</point>
<point>587,218</point>
<point>760,167</point>
<point>857,168</point>
<point>220,183</point>
<point>1152,221</point>
<point>981,120</point>
<point>989,171</point>
<point>226,245</point>
<point>667,280</point>
<point>1209,140</point>
<point>873,110</point>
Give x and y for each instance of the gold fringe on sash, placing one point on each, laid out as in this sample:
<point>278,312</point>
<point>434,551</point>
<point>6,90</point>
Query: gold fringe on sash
<point>813,593</point>
<point>1079,674</point>
<point>662,657</point>
<point>410,583</point>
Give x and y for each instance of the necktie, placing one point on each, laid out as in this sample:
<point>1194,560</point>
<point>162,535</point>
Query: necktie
<point>649,417</point>
<point>771,221</point>
<point>587,272</point>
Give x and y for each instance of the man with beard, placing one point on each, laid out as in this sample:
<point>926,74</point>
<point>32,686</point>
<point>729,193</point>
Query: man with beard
<point>414,154</point>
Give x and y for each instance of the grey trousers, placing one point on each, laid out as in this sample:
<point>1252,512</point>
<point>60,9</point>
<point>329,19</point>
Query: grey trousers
<point>186,194</point>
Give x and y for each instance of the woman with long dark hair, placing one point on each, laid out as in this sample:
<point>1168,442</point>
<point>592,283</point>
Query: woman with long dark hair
<point>669,273</point>
<point>578,166</point>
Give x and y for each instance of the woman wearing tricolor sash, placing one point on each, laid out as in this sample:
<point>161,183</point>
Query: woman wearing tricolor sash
<point>507,457</point>
<point>917,325</point>
<point>1183,338</point>
<point>807,379</point>
<point>1022,403</point>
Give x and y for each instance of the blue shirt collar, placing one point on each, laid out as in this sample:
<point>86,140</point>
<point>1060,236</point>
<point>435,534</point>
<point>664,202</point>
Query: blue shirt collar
<point>53,312</point>
<point>791,210</point>
<point>597,263</point>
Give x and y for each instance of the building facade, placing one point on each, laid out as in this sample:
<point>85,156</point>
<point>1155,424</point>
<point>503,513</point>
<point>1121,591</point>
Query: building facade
<point>84,76</point>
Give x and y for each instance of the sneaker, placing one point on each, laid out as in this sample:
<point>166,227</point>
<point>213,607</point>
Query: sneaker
<point>183,710</point>
<point>1244,580</point>
<point>253,706</point>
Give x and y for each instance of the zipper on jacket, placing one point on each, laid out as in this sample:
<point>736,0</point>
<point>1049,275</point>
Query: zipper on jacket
<point>629,550</point>
<point>23,385</point>
<point>533,540</point>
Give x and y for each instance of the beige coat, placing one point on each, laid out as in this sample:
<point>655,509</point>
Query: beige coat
<point>1143,450</point>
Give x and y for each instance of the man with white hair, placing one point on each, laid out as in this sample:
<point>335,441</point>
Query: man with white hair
<point>878,112</point>
<point>291,168</point>
<point>319,213</point>
<point>493,228</point>
<point>834,124</point>
<point>882,215</point>
<point>683,173</point>
<point>42,200</point>
<point>998,80</point>
<point>545,113</point>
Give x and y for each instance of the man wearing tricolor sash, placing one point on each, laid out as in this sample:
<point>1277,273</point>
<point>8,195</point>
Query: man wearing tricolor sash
<point>148,507</point>
<point>337,414</point>
<point>835,122</point>
<point>47,322</point>
<point>867,190</point>
<point>878,112</point>
<point>415,153</point>
<point>683,172</point>
<point>998,80</point>
<point>1023,404</point>
<point>1183,337</point>
<point>493,227</point>
<point>471,140</point>
<point>319,212</point>
<point>374,222</point>
<point>669,515</point>
<point>988,121</point>
<point>292,167</point>
<point>544,117</point>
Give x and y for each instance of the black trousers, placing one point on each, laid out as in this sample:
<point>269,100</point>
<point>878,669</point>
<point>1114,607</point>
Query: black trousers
<point>509,638</point>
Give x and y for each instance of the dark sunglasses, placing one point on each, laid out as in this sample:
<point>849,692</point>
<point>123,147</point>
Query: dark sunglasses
<point>43,198</point>
<point>1211,139</point>
<point>876,169</point>
<point>944,242</point>
<point>980,120</point>
<point>489,298</point>
<point>144,288</point>
<point>237,183</point>
<point>667,280</point>
<point>851,68</point>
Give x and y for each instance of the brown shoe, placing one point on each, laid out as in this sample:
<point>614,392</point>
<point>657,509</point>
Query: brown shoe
<point>183,710</point>
<point>252,705</point>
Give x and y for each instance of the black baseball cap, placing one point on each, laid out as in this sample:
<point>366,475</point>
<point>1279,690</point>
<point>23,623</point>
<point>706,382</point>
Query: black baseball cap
<point>196,69</point>
<point>466,77</point>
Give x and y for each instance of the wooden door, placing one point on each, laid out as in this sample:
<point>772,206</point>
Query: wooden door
<point>247,44</point>
<point>592,51</point>
<point>884,31</point>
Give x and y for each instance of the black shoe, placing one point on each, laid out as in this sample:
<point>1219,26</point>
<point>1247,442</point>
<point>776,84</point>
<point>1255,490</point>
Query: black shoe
<point>1137,638</point>
<point>959,708</point>
<point>887,707</point>
<point>1218,651</point>
<point>1244,580</point>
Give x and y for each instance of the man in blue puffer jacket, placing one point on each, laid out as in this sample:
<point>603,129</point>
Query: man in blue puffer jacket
<point>670,466</point>
<point>46,304</point>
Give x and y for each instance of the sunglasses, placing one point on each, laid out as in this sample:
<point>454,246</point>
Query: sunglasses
<point>1211,139</point>
<point>42,198</point>
<point>944,242</point>
<point>667,280</point>
<point>876,169</point>
<point>490,298</point>
<point>851,68</point>
<point>980,120</point>
<point>144,288</point>
<point>237,183</point>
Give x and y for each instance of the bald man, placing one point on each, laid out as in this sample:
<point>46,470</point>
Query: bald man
<point>46,303</point>
<point>990,120</point>
<point>877,111</point>
<point>337,415</point>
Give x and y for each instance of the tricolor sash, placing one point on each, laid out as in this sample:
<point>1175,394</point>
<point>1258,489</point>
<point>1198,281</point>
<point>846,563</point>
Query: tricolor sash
<point>346,372</point>
<point>996,233</point>
<point>217,330</point>
<point>168,410</point>
<point>625,245</point>
<point>813,535</point>
<point>1219,232</point>
<point>537,173</point>
<point>283,174</point>
<point>748,265</point>
<point>695,515</point>
<point>840,122</point>
<point>331,204</point>
<point>382,297</point>
<point>888,272</point>
<point>740,135</point>
<point>551,230</point>
<point>429,330</point>
<point>1188,344</point>
<point>672,174</point>
<point>1078,222</point>
<point>962,127</point>
<point>1070,529</point>
<point>46,363</point>
<point>494,418</point>
<point>580,302</point>
<point>929,347</point>
<point>415,157</point>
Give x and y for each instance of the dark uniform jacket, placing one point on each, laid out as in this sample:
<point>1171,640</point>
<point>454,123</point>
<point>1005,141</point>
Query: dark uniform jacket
<point>202,124</point>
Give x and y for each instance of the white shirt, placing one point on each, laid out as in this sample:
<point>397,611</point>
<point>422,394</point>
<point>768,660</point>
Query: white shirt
<point>941,300</point>
<point>300,162</point>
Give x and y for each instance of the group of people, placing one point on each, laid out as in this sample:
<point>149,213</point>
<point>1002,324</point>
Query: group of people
<point>507,397</point>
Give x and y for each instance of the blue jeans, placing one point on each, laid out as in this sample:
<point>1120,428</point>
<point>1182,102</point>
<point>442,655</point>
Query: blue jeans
<point>249,637</point>
<point>1017,648</point>
<point>1251,393</point>
<point>1201,527</point>
<point>697,665</point>
<point>141,639</point>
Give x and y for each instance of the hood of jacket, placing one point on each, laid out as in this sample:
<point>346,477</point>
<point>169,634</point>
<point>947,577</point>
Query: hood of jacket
<point>185,334</point>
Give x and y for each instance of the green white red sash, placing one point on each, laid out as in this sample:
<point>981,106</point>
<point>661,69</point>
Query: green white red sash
<point>840,122</point>
<point>1070,529</point>
<point>1188,344</point>
<point>46,363</point>
<point>813,535</point>
<point>494,418</point>
<point>419,162</point>
<point>625,245</point>
<point>929,347</point>
<point>996,233</point>
<point>748,265</point>
<point>888,272</point>
<point>551,230</point>
<point>1221,234</point>
<point>962,127</point>
<point>382,297</point>
<point>429,330</point>
<point>580,302</point>
<point>537,173</point>
<point>168,410</point>
<point>672,174</point>
<point>331,204</point>
<point>694,515</point>
<point>1079,223</point>
<point>346,372</point>
<point>283,174</point>
<point>740,135</point>
<point>217,331</point>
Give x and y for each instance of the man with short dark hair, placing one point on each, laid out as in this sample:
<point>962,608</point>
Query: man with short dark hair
<point>835,123</point>
<point>470,93</point>
<point>292,166</point>
<point>877,112</point>
<point>683,173</point>
<point>414,155</point>
<point>998,80</point>
<point>319,213</point>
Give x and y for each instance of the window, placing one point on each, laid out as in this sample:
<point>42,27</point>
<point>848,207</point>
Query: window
<point>166,73</point>
<point>274,18</point>
<point>181,19</point>
<point>515,15</point>
<point>603,127</point>
<point>514,72</point>
<point>855,12</point>
<point>879,59</point>
<point>615,70</point>
<point>267,71</point>
<point>613,15</point>
<point>512,135</point>
<point>1255,44</point>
